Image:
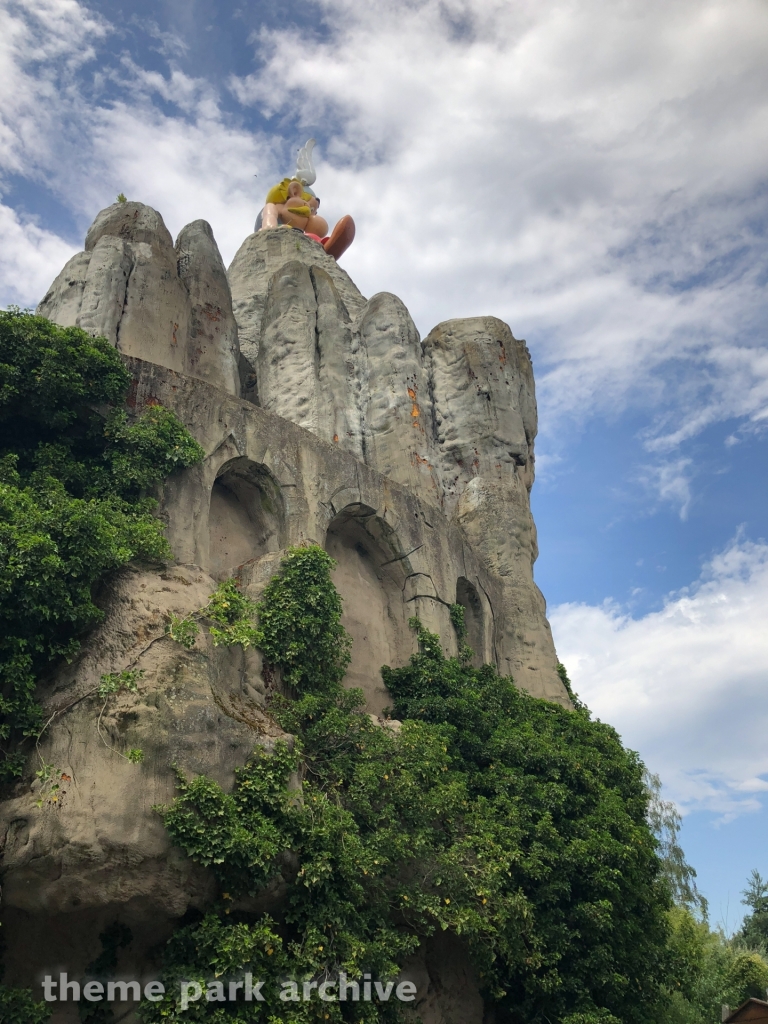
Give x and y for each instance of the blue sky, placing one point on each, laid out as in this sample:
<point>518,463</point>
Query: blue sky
<point>593,173</point>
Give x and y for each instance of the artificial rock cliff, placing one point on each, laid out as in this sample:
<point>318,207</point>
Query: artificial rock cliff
<point>326,418</point>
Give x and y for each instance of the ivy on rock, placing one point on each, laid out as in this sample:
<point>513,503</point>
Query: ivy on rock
<point>74,502</point>
<point>513,823</point>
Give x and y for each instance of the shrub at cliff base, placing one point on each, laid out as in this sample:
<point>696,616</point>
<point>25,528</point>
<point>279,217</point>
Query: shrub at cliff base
<point>513,823</point>
<point>74,478</point>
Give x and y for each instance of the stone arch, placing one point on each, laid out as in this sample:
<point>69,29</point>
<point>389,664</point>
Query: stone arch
<point>246,516</point>
<point>474,619</point>
<point>370,576</point>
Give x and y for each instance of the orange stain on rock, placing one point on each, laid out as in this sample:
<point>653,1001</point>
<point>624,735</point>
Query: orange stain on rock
<point>418,460</point>
<point>212,312</point>
<point>415,412</point>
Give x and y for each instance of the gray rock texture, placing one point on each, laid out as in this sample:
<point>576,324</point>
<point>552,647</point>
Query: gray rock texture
<point>213,351</point>
<point>257,259</point>
<point>324,418</point>
<point>169,305</point>
<point>485,422</point>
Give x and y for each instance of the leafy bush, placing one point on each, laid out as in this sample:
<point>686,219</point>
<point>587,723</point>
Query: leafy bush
<point>566,807</point>
<point>74,477</point>
<point>707,971</point>
<point>511,822</point>
<point>232,611</point>
<point>18,1007</point>
<point>300,623</point>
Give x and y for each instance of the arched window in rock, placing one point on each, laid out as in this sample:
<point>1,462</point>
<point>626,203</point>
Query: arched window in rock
<point>468,598</point>
<point>246,517</point>
<point>370,579</point>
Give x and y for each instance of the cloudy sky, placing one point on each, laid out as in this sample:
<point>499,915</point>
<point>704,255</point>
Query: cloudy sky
<point>591,171</point>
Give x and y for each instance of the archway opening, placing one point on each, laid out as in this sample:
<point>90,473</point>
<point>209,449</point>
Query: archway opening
<point>469,599</point>
<point>371,585</point>
<point>246,517</point>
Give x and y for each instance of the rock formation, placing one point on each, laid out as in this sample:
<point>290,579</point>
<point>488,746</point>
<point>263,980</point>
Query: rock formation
<point>325,418</point>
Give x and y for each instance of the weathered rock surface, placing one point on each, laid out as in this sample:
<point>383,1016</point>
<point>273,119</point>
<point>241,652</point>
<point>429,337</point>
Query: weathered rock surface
<point>255,262</point>
<point>169,305</point>
<point>101,851</point>
<point>398,426</point>
<point>213,351</point>
<point>486,421</point>
<point>324,418</point>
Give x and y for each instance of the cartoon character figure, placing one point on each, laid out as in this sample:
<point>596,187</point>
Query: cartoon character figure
<point>292,203</point>
<point>288,203</point>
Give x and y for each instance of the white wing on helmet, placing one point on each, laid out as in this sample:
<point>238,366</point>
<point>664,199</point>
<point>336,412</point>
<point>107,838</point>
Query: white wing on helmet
<point>305,172</point>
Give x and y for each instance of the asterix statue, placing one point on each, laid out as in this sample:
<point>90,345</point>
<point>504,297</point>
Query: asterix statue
<point>292,203</point>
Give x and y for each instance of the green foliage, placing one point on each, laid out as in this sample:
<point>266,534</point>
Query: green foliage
<point>599,1017</point>
<point>707,971</point>
<point>121,198</point>
<point>50,778</point>
<point>114,682</point>
<point>149,450</point>
<point>300,623</point>
<point>183,630</point>
<point>511,822</point>
<point>229,609</point>
<point>747,976</point>
<point>233,612</point>
<point>18,1007</point>
<point>665,821</point>
<point>457,620</point>
<point>114,938</point>
<point>111,684</point>
<point>73,503</point>
<point>565,807</point>
<point>754,931</point>
<point>47,372</point>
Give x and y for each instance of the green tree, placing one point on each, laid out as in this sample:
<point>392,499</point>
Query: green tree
<point>754,931</point>
<point>707,971</point>
<point>665,821</point>
<point>75,478</point>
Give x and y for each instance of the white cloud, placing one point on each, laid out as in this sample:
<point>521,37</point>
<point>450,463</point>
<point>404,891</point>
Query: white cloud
<point>30,258</point>
<point>670,481</point>
<point>43,44</point>
<point>686,686</point>
<point>186,168</point>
